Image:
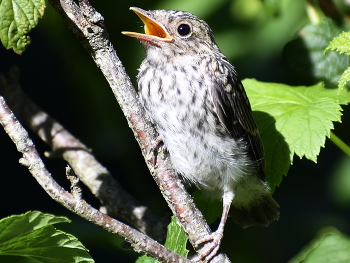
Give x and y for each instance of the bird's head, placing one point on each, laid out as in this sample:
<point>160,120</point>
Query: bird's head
<point>174,32</point>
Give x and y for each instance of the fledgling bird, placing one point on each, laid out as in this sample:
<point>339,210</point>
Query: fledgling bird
<point>197,102</point>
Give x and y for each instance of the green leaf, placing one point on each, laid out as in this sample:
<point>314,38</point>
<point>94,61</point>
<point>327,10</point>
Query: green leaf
<point>293,120</point>
<point>340,43</point>
<point>176,238</point>
<point>305,59</point>
<point>17,18</point>
<point>176,241</point>
<point>32,235</point>
<point>330,246</point>
<point>344,78</point>
<point>146,259</point>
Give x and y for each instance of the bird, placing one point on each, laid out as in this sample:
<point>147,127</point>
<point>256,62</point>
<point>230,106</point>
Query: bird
<point>198,104</point>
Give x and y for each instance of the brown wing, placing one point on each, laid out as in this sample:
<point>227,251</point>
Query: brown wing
<point>234,112</point>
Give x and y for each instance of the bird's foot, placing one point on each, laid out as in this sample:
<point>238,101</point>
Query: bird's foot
<point>212,248</point>
<point>155,147</point>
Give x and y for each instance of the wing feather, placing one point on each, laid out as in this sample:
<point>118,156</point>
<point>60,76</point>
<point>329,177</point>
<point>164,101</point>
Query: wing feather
<point>233,109</point>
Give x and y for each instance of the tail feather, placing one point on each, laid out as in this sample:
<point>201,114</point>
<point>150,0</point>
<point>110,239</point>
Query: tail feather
<point>260,213</point>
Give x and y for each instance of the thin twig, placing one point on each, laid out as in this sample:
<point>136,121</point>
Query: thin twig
<point>75,188</point>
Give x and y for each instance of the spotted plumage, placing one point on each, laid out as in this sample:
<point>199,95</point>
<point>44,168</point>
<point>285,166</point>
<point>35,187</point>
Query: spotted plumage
<point>197,102</point>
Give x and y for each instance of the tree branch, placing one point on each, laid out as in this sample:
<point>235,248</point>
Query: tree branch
<point>115,200</point>
<point>88,25</point>
<point>31,159</point>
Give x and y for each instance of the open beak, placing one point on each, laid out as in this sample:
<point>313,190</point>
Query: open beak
<point>154,31</point>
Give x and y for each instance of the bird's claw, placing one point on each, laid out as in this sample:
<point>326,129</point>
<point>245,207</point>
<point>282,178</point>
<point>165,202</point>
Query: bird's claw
<point>155,147</point>
<point>212,249</point>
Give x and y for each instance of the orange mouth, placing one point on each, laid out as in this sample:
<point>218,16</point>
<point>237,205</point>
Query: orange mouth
<point>154,31</point>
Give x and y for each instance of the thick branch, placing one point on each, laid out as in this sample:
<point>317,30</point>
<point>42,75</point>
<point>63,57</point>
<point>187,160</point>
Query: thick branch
<point>88,25</point>
<point>31,159</point>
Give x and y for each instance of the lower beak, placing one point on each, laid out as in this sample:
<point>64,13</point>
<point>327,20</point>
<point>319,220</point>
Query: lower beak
<point>154,31</point>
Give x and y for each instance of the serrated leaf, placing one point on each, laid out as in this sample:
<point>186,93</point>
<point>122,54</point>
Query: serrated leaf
<point>17,225</point>
<point>176,241</point>
<point>345,77</point>
<point>33,236</point>
<point>306,61</point>
<point>340,43</point>
<point>293,120</point>
<point>330,246</point>
<point>17,18</point>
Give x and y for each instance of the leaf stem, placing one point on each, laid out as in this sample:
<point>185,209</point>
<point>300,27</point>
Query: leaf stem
<point>341,145</point>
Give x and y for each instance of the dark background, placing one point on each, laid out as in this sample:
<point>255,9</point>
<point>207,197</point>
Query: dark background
<point>58,74</point>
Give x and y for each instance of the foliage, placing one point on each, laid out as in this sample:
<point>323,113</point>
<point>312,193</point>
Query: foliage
<point>305,56</point>
<point>294,120</point>
<point>341,44</point>
<point>33,236</point>
<point>176,241</point>
<point>17,18</point>
<point>330,246</point>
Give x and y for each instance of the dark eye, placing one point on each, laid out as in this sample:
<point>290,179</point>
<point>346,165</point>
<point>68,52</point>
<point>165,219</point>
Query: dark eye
<point>184,29</point>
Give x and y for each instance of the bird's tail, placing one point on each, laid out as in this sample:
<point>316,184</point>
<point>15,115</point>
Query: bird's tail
<point>260,213</point>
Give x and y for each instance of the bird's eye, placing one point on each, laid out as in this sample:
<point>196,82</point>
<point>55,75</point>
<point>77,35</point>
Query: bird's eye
<point>184,29</point>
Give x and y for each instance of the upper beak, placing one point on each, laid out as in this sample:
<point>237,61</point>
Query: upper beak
<point>154,31</point>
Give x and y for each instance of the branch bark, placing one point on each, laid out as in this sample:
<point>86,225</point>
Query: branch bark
<point>115,201</point>
<point>35,165</point>
<point>88,25</point>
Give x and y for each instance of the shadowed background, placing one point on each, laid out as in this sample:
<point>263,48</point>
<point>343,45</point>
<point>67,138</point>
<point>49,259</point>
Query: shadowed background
<point>58,74</point>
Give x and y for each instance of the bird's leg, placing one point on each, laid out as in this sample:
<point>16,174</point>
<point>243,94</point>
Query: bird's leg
<point>216,236</point>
